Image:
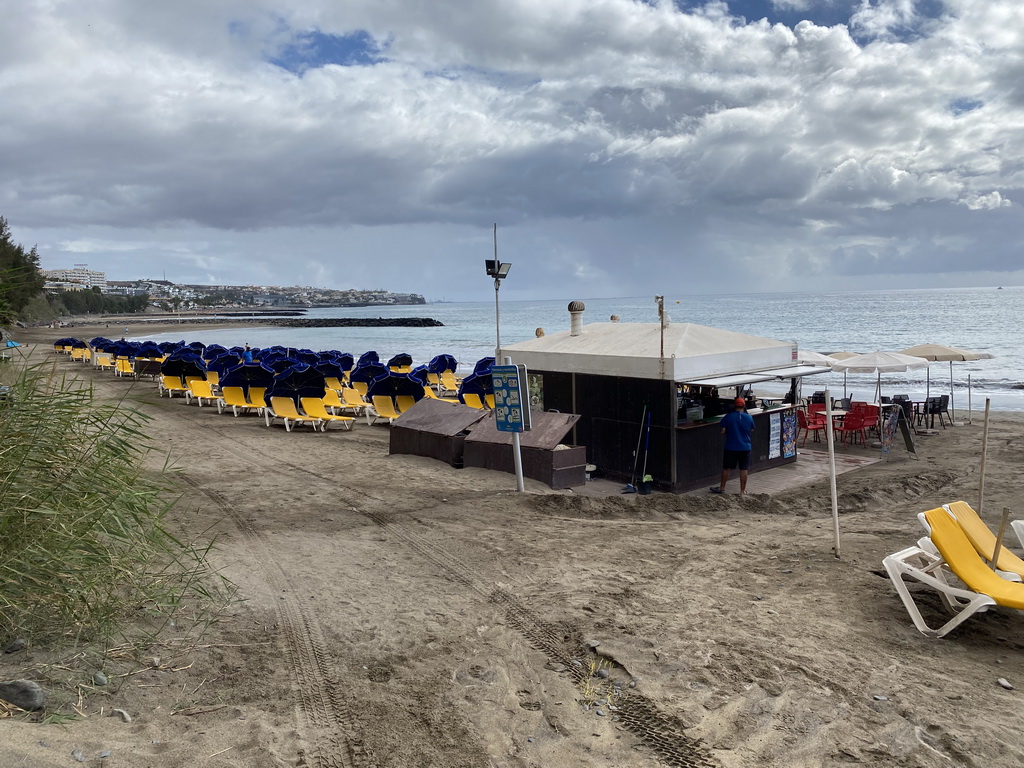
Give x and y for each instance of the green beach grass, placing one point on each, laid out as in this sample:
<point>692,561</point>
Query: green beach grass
<point>85,550</point>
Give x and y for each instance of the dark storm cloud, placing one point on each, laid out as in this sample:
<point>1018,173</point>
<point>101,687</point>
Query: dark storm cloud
<point>620,145</point>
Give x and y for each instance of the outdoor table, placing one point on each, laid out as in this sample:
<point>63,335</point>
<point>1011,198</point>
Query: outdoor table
<point>921,412</point>
<point>838,415</point>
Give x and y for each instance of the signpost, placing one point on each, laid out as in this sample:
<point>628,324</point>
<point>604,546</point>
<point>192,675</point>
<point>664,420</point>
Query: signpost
<point>512,408</point>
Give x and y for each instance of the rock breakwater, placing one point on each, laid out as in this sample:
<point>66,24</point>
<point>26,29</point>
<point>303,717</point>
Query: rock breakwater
<point>356,322</point>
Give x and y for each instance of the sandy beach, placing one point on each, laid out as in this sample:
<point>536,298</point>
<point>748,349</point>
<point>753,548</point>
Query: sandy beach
<point>394,612</point>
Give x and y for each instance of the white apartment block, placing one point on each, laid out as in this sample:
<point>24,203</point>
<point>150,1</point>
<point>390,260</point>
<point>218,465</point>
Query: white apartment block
<point>88,277</point>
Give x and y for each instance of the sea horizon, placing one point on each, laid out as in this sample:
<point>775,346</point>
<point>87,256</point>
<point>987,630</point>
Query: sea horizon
<point>979,319</point>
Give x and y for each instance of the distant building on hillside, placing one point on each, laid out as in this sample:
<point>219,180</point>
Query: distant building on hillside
<point>79,275</point>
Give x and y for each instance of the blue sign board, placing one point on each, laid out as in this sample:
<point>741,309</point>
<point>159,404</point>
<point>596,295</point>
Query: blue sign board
<point>511,409</point>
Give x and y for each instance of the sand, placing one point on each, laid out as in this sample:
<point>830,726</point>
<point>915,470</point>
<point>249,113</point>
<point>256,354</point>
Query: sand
<point>392,611</point>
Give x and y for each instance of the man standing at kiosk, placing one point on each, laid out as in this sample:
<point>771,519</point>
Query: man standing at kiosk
<point>736,427</point>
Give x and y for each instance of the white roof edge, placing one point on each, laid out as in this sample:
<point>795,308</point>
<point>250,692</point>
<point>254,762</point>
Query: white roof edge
<point>753,377</point>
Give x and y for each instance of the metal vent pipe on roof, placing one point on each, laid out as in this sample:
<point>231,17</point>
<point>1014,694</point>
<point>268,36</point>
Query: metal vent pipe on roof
<point>576,309</point>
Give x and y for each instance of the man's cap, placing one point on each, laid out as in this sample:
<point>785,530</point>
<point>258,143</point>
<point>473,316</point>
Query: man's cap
<point>740,402</point>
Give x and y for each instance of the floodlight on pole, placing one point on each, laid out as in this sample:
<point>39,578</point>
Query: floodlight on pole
<point>499,271</point>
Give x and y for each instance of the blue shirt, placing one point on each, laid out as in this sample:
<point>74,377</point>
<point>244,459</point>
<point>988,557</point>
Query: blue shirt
<point>737,427</point>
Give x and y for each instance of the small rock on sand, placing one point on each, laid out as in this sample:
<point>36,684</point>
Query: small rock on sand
<point>24,694</point>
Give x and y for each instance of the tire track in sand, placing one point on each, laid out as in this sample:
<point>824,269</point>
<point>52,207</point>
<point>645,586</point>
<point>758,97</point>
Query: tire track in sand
<point>661,732</point>
<point>330,728</point>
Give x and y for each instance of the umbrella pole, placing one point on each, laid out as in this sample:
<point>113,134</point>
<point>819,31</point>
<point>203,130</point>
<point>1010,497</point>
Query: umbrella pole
<point>878,399</point>
<point>999,539</point>
<point>830,436</point>
<point>970,410</point>
<point>952,407</point>
<point>984,451</point>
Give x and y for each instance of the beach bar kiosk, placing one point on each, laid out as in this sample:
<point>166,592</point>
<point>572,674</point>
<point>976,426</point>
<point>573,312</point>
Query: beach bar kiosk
<point>652,394</point>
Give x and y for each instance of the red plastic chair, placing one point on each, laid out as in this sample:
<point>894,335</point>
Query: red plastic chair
<point>853,424</point>
<point>814,425</point>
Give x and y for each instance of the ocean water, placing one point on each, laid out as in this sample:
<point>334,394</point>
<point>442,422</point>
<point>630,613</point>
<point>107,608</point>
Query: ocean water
<point>981,319</point>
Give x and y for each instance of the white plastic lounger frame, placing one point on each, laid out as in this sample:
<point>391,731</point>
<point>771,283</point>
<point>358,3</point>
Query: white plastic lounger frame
<point>929,569</point>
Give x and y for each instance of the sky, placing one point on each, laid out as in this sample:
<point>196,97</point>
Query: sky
<point>622,147</point>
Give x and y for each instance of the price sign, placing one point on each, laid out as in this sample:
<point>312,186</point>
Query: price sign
<point>511,408</point>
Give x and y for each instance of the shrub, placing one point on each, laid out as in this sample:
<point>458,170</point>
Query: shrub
<point>83,542</point>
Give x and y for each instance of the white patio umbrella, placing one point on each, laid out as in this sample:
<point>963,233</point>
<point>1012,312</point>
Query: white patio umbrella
<point>879,363</point>
<point>844,355</point>
<point>813,358</point>
<point>941,352</point>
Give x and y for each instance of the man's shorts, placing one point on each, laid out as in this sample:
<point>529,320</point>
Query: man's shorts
<point>736,460</point>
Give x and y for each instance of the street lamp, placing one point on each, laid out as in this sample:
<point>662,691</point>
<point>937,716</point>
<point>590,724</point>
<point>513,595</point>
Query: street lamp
<point>499,271</point>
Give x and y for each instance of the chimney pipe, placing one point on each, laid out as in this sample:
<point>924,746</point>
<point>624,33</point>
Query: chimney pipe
<point>576,309</point>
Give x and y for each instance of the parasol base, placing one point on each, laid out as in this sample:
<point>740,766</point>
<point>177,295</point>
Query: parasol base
<point>927,431</point>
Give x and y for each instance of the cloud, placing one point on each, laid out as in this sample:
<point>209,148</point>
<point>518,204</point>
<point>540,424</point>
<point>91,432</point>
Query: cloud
<point>986,202</point>
<point>883,18</point>
<point>289,140</point>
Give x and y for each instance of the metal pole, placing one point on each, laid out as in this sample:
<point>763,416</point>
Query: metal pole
<point>497,311</point>
<point>517,454</point>
<point>497,321</point>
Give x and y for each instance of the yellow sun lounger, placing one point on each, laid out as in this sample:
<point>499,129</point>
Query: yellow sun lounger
<point>981,537</point>
<point>428,392</point>
<point>448,383</point>
<point>171,384</point>
<point>957,557</point>
<point>332,400</point>
<point>354,402</point>
<point>199,390</point>
<point>257,398</point>
<point>234,398</point>
<point>383,408</point>
<point>283,409</point>
<point>474,401</point>
<point>314,406</point>
<point>404,402</point>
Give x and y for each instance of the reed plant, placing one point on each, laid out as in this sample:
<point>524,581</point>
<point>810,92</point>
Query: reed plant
<point>84,544</point>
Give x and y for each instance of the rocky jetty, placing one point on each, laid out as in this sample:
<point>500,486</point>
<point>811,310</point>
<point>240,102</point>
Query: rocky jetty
<point>357,322</point>
<point>303,322</point>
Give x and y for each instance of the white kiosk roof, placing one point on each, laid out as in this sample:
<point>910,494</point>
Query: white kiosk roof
<point>634,350</point>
